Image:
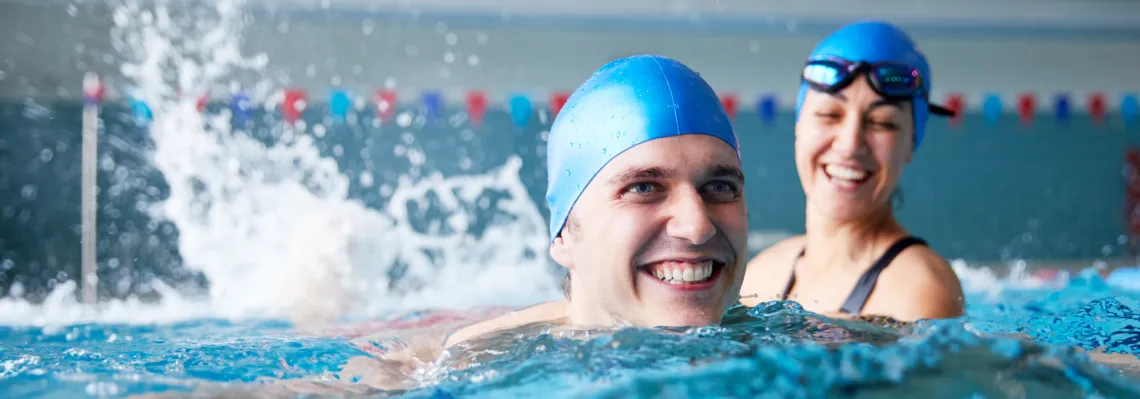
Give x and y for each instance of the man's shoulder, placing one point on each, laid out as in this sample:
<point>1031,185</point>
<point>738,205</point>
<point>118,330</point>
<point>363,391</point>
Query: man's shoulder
<point>533,314</point>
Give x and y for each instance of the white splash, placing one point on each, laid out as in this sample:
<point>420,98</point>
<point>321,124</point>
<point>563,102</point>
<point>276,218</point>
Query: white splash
<point>271,227</point>
<point>989,285</point>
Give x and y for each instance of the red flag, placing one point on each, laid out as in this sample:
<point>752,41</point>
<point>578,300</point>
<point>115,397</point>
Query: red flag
<point>957,103</point>
<point>385,104</point>
<point>92,89</point>
<point>729,102</point>
<point>1026,108</point>
<point>294,104</point>
<point>557,101</point>
<point>476,107</point>
<point>1096,108</point>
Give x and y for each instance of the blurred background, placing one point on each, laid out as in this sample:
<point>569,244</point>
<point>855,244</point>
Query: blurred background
<point>407,106</point>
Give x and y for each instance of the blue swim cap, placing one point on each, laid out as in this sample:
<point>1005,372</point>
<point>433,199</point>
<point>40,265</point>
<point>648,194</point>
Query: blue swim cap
<point>875,41</point>
<point>625,103</point>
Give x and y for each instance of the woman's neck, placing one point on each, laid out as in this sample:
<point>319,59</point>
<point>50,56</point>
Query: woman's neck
<point>848,242</point>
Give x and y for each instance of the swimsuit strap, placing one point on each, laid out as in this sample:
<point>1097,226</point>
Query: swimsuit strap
<point>866,284</point>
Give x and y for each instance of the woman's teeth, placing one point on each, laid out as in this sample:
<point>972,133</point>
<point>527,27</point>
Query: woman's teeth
<point>683,272</point>
<point>845,173</point>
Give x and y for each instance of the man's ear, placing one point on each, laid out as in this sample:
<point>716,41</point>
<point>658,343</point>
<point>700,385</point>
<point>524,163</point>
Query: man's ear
<point>560,251</point>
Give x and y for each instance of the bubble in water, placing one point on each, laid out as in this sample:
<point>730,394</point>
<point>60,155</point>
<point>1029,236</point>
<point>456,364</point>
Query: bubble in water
<point>72,10</point>
<point>29,192</point>
<point>404,119</point>
<point>473,60</point>
<point>449,57</point>
<point>482,38</point>
<point>319,130</point>
<point>366,179</point>
<point>16,290</point>
<point>451,38</point>
<point>46,155</point>
<point>367,27</point>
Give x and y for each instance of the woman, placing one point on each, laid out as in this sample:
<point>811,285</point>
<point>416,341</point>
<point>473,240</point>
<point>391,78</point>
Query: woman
<point>861,112</point>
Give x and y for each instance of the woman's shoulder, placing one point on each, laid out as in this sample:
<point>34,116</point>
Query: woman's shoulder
<point>778,252</point>
<point>767,273</point>
<point>927,279</point>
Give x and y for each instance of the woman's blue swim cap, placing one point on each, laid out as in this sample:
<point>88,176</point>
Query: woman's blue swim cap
<point>876,41</point>
<point>625,103</point>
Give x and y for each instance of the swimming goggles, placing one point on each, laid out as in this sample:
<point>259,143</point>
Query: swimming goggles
<point>889,79</point>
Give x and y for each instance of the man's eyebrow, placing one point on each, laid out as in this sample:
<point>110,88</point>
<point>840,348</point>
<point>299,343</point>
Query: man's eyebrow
<point>659,172</point>
<point>631,175</point>
<point>727,171</point>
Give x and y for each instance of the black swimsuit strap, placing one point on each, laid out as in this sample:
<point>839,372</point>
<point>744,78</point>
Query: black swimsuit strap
<point>866,284</point>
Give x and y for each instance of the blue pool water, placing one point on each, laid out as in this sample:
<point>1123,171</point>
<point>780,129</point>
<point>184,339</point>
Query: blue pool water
<point>428,212</point>
<point>1016,341</point>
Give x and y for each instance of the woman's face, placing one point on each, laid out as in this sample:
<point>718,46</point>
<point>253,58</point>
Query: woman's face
<point>851,147</point>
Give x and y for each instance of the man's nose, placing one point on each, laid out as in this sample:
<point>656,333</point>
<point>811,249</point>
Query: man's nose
<point>689,218</point>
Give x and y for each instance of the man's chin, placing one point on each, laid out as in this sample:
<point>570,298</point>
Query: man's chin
<point>689,317</point>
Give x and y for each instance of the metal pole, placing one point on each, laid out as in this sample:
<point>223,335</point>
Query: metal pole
<point>88,277</point>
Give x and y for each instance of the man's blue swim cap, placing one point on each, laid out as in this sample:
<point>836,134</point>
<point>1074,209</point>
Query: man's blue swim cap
<point>625,103</point>
<point>876,41</point>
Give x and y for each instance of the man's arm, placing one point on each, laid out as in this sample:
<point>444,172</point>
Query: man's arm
<point>537,313</point>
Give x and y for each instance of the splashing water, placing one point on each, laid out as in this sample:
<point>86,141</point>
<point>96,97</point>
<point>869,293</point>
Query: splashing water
<point>270,224</point>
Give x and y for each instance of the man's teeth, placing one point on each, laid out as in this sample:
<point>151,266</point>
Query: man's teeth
<point>680,273</point>
<point>845,173</point>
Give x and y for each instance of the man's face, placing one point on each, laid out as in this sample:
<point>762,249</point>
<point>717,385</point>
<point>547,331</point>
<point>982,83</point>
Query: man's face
<point>658,238</point>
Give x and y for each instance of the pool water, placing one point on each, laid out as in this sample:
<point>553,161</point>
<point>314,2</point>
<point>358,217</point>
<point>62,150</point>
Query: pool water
<point>266,213</point>
<point>1020,339</point>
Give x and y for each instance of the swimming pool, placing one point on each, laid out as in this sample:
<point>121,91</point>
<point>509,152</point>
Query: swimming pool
<point>774,350</point>
<point>419,215</point>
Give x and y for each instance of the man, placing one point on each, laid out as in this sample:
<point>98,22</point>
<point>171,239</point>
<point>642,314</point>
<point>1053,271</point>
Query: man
<point>646,199</point>
<point>647,210</point>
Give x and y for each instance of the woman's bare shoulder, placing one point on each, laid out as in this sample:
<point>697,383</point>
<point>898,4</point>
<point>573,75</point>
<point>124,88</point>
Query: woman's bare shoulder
<point>927,281</point>
<point>765,274</point>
